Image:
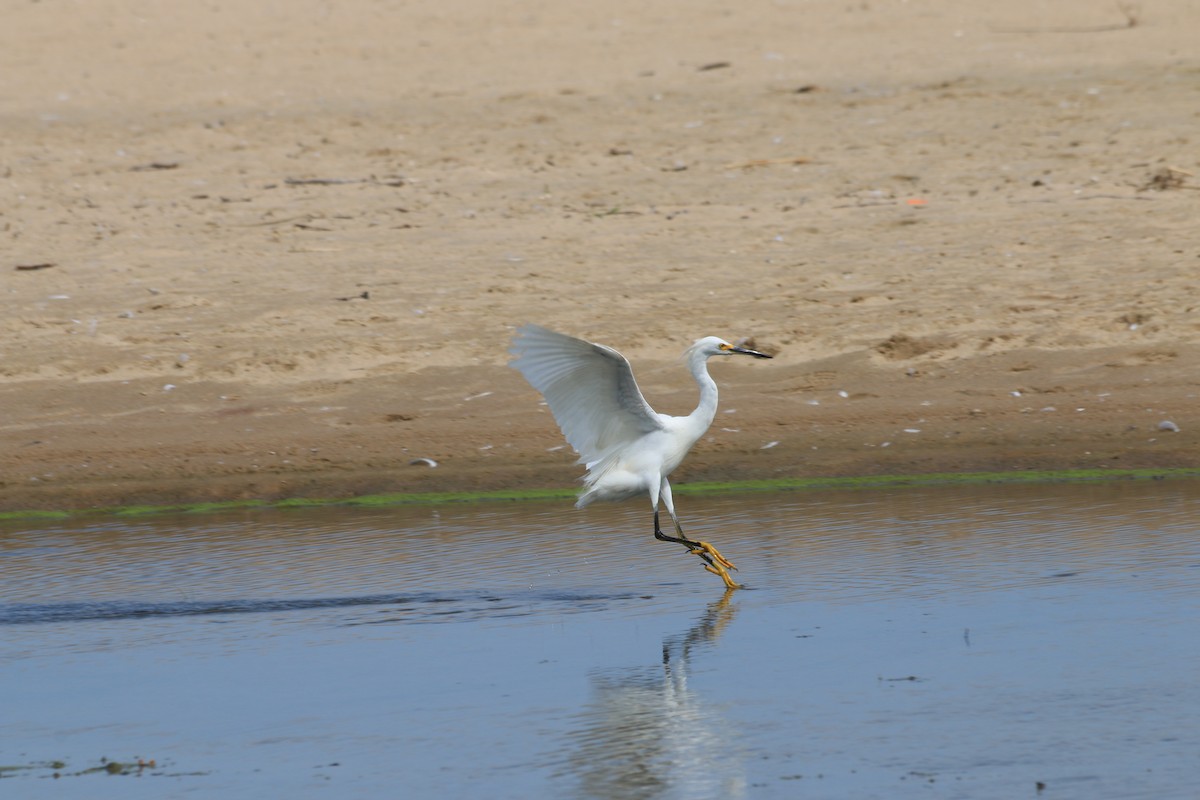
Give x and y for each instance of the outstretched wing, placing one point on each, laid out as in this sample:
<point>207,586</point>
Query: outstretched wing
<point>589,387</point>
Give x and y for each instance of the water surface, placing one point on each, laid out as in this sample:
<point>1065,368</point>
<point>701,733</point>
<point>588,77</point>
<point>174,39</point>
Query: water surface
<point>966,642</point>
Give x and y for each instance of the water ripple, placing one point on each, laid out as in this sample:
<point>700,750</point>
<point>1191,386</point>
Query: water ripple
<point>430,607</point>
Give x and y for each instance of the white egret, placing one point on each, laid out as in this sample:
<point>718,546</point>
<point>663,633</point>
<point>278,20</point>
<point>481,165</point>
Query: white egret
<point>627,446</point>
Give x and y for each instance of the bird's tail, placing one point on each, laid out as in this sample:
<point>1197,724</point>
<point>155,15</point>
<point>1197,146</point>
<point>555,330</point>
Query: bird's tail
<point>607,479</point>
<point>595,469</point>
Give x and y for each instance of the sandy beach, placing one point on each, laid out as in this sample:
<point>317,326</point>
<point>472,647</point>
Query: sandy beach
<point>274,249</point>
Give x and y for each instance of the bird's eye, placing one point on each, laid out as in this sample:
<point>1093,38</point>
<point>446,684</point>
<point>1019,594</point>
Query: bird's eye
<point>724,346</point>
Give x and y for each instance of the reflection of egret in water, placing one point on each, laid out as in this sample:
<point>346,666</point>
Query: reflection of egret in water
<point>646,734</point>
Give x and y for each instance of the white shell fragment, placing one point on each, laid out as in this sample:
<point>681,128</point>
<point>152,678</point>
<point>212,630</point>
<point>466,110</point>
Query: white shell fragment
<point>429,462</point>
<point>1167,425</point>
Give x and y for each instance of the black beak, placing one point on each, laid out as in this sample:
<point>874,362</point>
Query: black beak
<point>747,352</point>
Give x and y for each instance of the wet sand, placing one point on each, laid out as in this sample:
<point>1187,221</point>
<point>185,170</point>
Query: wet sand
<point>965,642</point>
<point>267,250</point>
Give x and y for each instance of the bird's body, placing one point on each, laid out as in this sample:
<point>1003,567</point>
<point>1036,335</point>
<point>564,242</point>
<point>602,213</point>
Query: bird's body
<point>631,470</point>
<point>627,446</point>
<point>623,475</point>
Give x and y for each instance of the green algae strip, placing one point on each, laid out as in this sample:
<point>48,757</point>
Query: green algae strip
<point>768,485</point>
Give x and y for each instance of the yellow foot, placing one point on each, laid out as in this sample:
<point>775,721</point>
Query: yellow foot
<point>724,574</point>
<point>706,549</point>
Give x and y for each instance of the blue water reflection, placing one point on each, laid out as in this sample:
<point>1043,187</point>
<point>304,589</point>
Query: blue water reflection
<point>645,733</point>
<point>957,642</point>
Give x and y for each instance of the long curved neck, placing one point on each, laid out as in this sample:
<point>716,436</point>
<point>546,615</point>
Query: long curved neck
<point>702,417</point>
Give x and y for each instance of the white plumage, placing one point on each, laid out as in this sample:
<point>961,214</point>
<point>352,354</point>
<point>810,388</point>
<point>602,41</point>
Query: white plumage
<point>627,446</point>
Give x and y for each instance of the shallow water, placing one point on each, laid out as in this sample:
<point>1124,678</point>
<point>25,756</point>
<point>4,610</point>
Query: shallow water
<point>933,642</point>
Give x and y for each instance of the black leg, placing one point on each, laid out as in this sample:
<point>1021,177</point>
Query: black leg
<point>688,543</point>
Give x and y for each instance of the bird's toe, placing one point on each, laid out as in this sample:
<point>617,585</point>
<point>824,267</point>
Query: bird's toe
<point>723,575</point>
<point>714,555</point>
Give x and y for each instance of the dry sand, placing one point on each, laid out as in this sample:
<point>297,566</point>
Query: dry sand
<point>286,243</point>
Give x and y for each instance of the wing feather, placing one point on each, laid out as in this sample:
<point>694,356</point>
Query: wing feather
<point>589,387</point>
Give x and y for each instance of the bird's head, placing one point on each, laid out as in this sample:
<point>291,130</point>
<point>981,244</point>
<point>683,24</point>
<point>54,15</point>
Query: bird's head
<point>715,346</point>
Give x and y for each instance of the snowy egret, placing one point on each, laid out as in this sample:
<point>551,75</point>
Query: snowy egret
<point>627,446</point>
